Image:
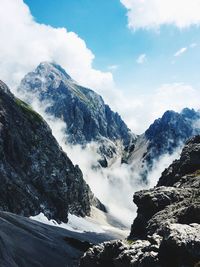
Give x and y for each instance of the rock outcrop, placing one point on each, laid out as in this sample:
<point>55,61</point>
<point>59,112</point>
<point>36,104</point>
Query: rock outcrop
<point>36,175</point>
<point>166,231</point>
<point>189,163</point>
<point>178,246</point>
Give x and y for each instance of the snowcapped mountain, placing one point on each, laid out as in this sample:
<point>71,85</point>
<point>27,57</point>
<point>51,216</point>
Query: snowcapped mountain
<point>86,115</point>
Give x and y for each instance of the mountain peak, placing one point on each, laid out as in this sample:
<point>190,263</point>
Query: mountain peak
<point>51,72</point>
<point>47,74</point>
<point>52,67</point>
<point>86,115</point>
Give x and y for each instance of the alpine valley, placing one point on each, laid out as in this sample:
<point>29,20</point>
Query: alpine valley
<point>69,167</point>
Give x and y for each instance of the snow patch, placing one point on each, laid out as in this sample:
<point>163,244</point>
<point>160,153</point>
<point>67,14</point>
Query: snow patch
<point>99,222</point>
<point>75,223</point>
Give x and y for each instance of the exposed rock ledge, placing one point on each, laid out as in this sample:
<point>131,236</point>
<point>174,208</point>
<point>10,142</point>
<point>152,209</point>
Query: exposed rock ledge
<point>179,244</point>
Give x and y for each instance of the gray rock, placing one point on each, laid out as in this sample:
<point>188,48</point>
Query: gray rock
<point>150,202</point>
<point>177,246</point>
<point>180,246</point>
<point>188,163</point>
<point>103,255</point>
<point>121,254</point>
<point>184,212</point>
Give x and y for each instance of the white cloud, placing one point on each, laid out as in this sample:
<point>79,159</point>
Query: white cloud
<point>180,51</point>
<point>193,45</point>
<point>113,67</point>
<point>185,49</point>
<point>154,13</point>
<point>175,97</point>
<point>24,43</point>
<point>160,165</point>
<point>141,59</point>
<point>140,110</point>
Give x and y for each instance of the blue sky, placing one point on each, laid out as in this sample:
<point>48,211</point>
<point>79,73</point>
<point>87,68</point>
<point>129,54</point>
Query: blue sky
<point>147,52</point>
<point>103,26</point>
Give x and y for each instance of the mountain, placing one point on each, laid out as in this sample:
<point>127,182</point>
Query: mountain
<point>86,115</point>
<point>166,231</point>
<point>36,175</point>
<point>88,119</point>
<point>173,129</point>
<point>164,136</point>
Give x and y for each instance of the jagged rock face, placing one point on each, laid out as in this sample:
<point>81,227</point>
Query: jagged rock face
<point>164,136</point>
<point>178,246</point>
<point>121,254</point>
<point>36,175</point>
<point>151,202</point>
<point>173,129</point>
<point>84,111</point>
<point>166,231</point>
<point>188,163</point>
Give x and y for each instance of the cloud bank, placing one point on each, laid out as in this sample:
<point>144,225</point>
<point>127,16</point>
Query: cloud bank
<point>141,110</point>
<point>24,43</point>
<point>148,14</point>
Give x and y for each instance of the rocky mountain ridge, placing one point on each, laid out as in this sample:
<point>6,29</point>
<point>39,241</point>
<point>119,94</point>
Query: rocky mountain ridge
<point>36,175</point>
<point>88,119</point>
<point>166,231</point>
<point>86,115</point>
<point>171,130</point>
<point>164,136</point>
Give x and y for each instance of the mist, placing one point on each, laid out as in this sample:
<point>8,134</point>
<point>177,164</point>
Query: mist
<point>114,186</point>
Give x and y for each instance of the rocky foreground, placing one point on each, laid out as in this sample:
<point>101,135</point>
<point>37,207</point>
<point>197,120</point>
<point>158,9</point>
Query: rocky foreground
<point>166,231</point>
